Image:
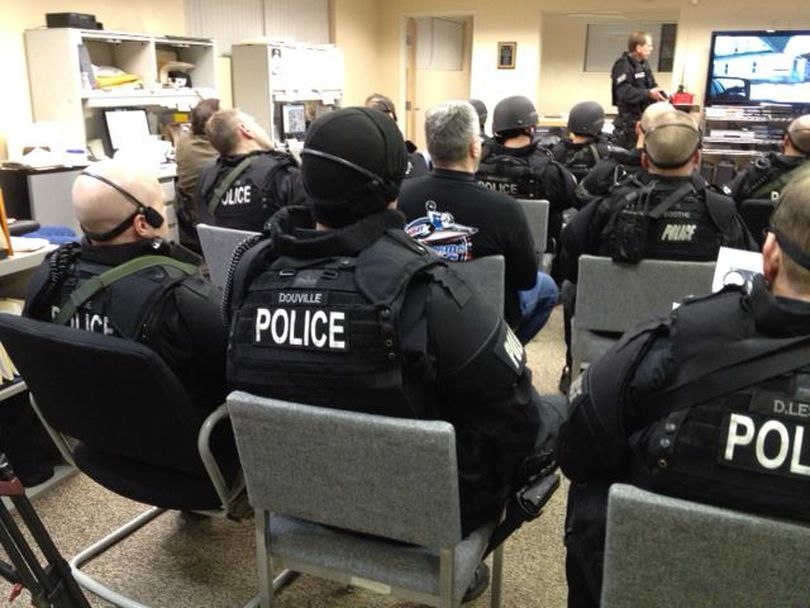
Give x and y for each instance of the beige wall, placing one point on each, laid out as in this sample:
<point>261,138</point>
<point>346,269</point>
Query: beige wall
<point>148,16</point>
<point>356,30</point>
<point>548,38</point>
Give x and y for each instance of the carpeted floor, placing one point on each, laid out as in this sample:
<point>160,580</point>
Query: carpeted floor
<point>179,563</point>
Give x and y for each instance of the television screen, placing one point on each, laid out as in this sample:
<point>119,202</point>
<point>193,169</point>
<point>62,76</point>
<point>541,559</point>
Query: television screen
<point>294,120</point>
<point>759,67</point>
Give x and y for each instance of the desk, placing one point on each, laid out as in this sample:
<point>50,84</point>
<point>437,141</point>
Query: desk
<point>43,195</point>
<point>16,271</point>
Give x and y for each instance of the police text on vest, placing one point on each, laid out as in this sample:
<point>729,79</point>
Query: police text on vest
<point>301,328</point>
<point>682,233</point>
<point>777,445</point>
<point>240,195</point>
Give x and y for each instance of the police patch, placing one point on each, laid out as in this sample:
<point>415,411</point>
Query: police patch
<point>764,445</point>
<point>301,328</point>
<point>510,350</point>
<point>621,79</point>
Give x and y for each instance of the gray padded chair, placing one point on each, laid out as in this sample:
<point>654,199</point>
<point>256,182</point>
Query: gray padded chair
<point>614,298</point>
<point>487,274</point>
<point>218,245</point>
<point>537,214</point>
<point>348,490</point>
<point>663,551</point>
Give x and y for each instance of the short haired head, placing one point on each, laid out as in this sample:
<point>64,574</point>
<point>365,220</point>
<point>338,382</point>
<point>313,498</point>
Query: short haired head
<point>652,112</point>
<point>116,203</point>
<point>233,131</point>
<point>637,39</point>
<point>799,134</point>
<point>201,113</point>
<point>790,224</point>
<point>672,140</point>
<point>382,103</point>
<point>481,109</point>
<point>352,164</point>
<point>450,128</point>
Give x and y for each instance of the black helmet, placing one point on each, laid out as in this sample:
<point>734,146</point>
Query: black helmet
<point>481,109</point>
<point>516,112</point>
<point>586,118</point>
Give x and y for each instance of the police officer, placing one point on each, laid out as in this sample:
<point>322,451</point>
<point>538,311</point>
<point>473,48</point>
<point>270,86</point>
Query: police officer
<point>418,163</point>
<point>164,304</point>
<point>633,87</point>
<point>621,164</point>
<point>249,181</point>
<point>513,162</point>
<point>698,406</point>
<point>340,308</point>
<point>690,221</point>
<point>585,145</point>
<point>481,110</point>
<point>767,175</point>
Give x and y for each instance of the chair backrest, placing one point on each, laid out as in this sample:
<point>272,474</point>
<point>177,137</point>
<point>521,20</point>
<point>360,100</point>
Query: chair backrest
<point>487,274</point>
<point>615,297</point>
<point>537,214</point>
<point>663,551</point>
<point>390,477</point>
<point>756,213</point>
<point>112,394</point>
<point>218,245</point>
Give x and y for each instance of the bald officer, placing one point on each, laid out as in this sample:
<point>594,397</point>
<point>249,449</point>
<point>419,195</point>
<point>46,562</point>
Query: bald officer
<point>159,297</point>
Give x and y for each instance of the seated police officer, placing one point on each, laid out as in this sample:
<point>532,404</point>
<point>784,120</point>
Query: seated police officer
<point>700,406</point>
<point>665,212</point>
<point>461,220</point>
<point>154,293</point>
<point>514,163</point>
<point>608,173</point>
<point>767,175</point>
<point>585,145</point>
<point>249,181</point>
<point>340,308</point>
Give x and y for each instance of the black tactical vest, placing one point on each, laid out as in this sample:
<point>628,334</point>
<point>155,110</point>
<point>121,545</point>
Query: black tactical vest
<point>685,230</point>
<point>324,331</point>
<point>517,176</point>
<point>247,203</point>
<point>128,308</point>
<point>748,450</point>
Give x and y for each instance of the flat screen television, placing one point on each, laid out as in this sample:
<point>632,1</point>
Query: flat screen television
<point>759,67</point>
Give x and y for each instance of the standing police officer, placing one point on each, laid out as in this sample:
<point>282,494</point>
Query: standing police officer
<point>512,162</point>
<point>250,181</point>
<point>767,175</point>
<point>159,297</point>
<point>633,87</point>
<point>698,406</point>
<point>340,308</point>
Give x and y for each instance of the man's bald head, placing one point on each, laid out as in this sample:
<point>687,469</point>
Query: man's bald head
<point>798,134</point>
<point>671,140</point>
<point>100,208</point>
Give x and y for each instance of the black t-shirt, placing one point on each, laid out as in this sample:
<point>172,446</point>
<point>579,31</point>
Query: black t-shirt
<point>461,221</point>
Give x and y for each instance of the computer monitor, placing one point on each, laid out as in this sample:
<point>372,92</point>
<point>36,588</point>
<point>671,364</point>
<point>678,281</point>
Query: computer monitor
<point>125,126</point>
<point>293,120</point>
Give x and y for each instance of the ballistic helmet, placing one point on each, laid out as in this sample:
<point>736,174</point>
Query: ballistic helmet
<point>512,113</point>
<point>586,118</point>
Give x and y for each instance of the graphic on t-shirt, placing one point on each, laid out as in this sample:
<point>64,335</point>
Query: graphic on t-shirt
<point>439,231</point>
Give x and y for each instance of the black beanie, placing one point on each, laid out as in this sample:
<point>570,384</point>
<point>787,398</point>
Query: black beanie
<point>340,194</point>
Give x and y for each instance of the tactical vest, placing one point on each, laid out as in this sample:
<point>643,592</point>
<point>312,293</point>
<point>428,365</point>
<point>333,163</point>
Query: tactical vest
<point>246,203</point>
<point>650,223</point>
<point>324,331</point>
<point>772,179</point>
<point>579,159</point>
<point>748,450</point>
<point>517,176</point>
<point>128,308</point>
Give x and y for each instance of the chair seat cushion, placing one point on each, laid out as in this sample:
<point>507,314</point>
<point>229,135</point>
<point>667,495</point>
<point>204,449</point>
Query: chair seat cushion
<point>378,559</point>
<point>149,484</point>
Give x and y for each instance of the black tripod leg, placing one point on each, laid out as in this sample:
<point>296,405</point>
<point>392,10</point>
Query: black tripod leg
<point>21,557</point>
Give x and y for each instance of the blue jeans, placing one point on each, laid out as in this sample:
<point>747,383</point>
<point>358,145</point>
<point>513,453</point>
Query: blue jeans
<point>535,307</point>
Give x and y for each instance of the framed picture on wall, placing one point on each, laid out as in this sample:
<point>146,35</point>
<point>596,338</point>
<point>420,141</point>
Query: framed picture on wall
<point>506,55</point>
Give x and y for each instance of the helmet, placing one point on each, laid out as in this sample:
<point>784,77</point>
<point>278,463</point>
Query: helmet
<point>516,112</point>
<point>481,108</point>
<point>586,118</point>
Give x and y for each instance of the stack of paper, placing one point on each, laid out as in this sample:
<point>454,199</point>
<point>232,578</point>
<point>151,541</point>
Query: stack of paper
<point>8,373</point>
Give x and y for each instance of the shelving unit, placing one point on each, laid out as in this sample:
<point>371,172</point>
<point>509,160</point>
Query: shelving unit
<point>62,89</point>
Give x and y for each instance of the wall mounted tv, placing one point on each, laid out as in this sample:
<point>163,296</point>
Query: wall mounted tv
<point>756,67</point>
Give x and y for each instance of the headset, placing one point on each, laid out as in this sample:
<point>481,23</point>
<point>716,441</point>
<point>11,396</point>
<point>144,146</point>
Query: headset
<point>150,214</point>
<point>677,163</point>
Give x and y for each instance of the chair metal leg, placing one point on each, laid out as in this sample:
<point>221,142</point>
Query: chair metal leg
<point>264,563</point>
<point>497,577</point>
<point>100,547</point>
<point>446,578</point>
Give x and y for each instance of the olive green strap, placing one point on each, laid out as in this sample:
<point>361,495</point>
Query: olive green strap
<point>230,179</point>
